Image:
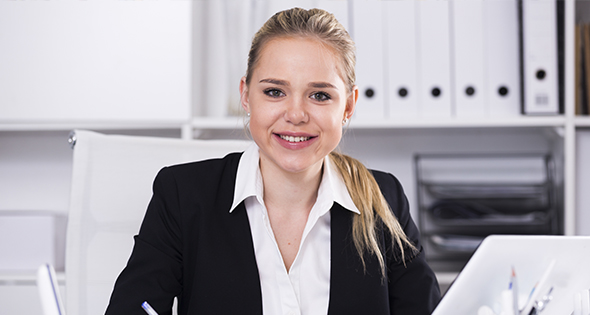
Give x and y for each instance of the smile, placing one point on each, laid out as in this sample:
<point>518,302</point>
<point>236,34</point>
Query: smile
<point>294,139</point>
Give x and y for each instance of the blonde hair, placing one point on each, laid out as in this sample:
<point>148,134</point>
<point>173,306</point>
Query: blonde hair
<point>361,184</point>
<point>367,197</point>
<point>315,23</point>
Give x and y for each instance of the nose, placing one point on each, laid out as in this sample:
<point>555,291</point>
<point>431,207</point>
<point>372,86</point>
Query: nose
<point>296,111</point>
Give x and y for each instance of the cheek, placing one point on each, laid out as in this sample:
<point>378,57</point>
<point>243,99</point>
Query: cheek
<point>256,124</point>
<point>332,127</point>
<point>332,119</point>
<point>261,122</point>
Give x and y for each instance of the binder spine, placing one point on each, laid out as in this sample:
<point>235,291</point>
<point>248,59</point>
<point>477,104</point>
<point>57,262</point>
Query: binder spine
<point>560,18</point>
<point>539,53</point>
<point>502,76</point>
<point>467,48</point>
<point>521,54</point>
<point>434,59</point>
<point>367,32</point>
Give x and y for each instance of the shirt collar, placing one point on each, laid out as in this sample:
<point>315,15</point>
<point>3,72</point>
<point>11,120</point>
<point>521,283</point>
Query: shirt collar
<point>248,178</point>
<point>249,182</point>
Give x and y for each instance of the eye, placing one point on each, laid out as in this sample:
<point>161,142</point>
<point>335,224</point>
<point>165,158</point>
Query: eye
<point>321,96</point>
<point>274,93</point>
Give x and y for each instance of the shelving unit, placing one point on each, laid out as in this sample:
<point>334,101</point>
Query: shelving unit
<point>533,121</point>
<point>582,122</point>
<point>98,125</point>
<point>35,159</point>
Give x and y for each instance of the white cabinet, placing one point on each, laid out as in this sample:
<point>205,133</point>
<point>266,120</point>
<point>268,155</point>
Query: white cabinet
<point>72,61</point>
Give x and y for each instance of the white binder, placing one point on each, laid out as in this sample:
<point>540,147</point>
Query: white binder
<point>434,59</point>
<point>539,56</point>
<point>467,42</point>
<point>400,52</point>
<point>502,63</point>
<point>367,32</point>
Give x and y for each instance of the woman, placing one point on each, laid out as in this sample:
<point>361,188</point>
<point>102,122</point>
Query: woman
<point>288,226</point>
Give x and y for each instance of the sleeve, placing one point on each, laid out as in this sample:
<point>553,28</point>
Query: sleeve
<point>413,288</point>
<point>154,270</point>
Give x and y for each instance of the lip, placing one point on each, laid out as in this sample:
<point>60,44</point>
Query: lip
<point>294,145</point>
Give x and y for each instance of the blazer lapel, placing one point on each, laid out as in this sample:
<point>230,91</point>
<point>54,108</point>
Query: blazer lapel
<point>231,241</point>
<point>249,290</point>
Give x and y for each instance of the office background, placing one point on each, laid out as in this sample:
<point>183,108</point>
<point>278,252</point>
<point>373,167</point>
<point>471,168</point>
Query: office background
<point>171,69</point>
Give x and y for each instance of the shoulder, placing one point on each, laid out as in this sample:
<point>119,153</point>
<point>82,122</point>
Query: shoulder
<point>202,174</point>
<point>212,166</point>
<point>390,186</point>
<point>384,178</point>
<point>196,188</point>
<point>394,194</point>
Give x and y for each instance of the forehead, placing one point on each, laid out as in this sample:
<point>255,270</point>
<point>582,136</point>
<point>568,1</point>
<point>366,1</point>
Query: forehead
<point>288,42</point>
<point>298,55</point>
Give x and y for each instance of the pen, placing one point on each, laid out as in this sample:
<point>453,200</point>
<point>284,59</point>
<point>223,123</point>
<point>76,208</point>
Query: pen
<point>148,308</point>
<point>514,288</point>
<point>541,285</point>
<point>540,304</point>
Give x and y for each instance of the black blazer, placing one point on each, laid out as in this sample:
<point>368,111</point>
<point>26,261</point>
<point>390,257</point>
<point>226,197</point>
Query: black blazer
<point>190,246</point>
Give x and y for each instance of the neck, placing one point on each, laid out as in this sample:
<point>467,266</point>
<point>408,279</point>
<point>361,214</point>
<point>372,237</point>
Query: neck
<point>284,191</point>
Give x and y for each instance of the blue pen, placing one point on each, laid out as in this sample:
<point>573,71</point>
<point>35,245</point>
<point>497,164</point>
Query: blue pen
<point>148,308</point>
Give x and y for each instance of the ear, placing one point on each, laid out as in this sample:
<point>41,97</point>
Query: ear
<point>351,102</point>
<point>244,99</point>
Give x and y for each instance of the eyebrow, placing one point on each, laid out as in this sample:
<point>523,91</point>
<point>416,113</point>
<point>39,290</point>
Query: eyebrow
<point>317,85</point>
<point>275,81</point>
<point>321,85</point>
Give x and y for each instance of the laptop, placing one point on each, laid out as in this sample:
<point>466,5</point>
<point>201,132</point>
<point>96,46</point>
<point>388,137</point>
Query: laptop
<point>550,269</point>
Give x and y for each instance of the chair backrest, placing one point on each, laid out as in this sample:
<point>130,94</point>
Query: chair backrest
<point>111,187</point>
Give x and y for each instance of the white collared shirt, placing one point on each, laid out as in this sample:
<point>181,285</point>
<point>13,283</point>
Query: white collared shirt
<point>305,288</point>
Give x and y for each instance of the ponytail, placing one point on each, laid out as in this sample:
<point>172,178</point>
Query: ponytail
<point>367,197</point>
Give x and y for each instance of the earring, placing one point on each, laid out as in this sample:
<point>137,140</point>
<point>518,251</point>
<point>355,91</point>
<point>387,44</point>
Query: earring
<point>248,114</point>
<point>344,121</point>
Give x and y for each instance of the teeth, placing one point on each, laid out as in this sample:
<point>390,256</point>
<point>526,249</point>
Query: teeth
<point>294,139</point>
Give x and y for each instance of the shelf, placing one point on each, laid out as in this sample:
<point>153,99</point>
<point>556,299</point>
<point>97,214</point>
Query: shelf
<point>229,123</point>
<point>26,277</point>
<point>220,123</point>
<point>26,211</point>
<point>582,121</point>
<point>522,121</point>
<point>97,125</point>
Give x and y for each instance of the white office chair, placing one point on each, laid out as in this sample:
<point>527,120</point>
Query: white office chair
<point>111,187</point>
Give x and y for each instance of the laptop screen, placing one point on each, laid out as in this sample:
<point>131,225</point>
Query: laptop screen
<point>550,269</point>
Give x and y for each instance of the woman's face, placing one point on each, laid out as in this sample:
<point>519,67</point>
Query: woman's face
<point>297,102</point>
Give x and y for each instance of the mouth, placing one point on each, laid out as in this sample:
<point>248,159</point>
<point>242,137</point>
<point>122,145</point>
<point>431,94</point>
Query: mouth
<point>294,139</point>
